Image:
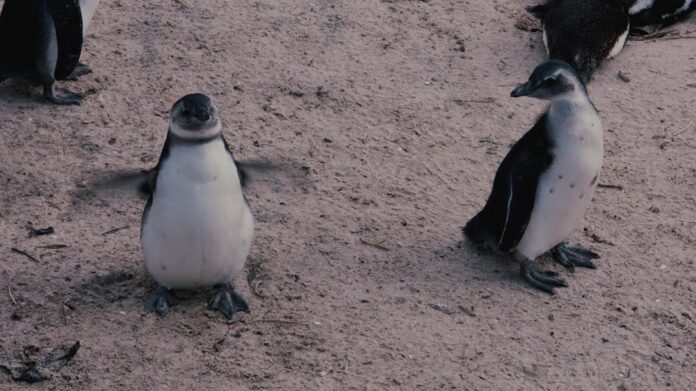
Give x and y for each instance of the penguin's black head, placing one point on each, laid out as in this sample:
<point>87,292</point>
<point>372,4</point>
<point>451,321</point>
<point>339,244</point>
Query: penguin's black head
<point>194,117</point>
<point>549,80</point>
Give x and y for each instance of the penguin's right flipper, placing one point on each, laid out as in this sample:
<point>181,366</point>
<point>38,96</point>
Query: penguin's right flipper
<point>160,302</point>
<point>545,280</point>
<point>227,301</point>
<point>509,207</point>
<point>570,256</point>
<point>62,97</point>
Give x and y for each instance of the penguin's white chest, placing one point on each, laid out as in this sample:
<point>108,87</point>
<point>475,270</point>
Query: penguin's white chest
<point>565,189</point>
<point>87,8</point>
<point>198,230</point>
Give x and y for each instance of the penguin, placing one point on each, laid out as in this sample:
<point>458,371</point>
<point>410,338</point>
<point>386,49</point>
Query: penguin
<point>583,33</point>
<point>545,183</point>
<point>197,226</point>
<point>659,12</point>
<point>41,41</point>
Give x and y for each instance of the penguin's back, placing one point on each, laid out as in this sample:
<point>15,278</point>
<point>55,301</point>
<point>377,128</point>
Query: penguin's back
<point>584,33</point>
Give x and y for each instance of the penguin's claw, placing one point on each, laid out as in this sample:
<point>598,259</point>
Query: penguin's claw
<point>62,97</point>
<point>227,301</point>
<point>80,70</point>
<point>544,280</point>
<point>570,257</point>
<point>160,302</point>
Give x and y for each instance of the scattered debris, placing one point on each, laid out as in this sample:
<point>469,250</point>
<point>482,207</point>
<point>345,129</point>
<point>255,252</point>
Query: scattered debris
<point>442,308</point>
<point>39,231</point>
<point>53,246</point>
<point>26,254</point>
<point>469,311</point>
<point>687,127</point>
<point>378,245</point>
<point>31,369</point>
<point>608,186</point>
<point>9,292</point>
<point>595,238</point>
<point>114,230</point>
<point>623,77</point>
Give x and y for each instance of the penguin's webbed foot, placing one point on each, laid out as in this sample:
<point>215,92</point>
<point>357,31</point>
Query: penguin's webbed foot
<point>160,302</point>
<point>80,70</point>
<point>227,301</point>
<point>570,256</point>
<point>62,97</point>
<point>545,280</point>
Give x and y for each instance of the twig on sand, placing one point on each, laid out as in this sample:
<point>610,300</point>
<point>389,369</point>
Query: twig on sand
<point>26,254</point>
<point>9,291</point>
<point>608,186</point>
<point>378,245</point>
<point>685,129</point>
<point>114,230</point>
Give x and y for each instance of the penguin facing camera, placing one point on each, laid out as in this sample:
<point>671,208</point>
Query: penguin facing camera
<point>545,183</point>
<point>583,33</point>
<point>197,226</point>
<point>41,41</point>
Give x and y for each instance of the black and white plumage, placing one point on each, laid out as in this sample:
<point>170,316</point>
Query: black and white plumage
<point>545,183</point>
<point>659,12</point>
<point>197,226</point>
<point>41,41</point>
<point>583,33</point>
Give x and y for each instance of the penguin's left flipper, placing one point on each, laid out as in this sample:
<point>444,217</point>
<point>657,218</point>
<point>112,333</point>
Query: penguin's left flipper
<point>80,70</point>
<point>160,302</point>
<point>62,97</point>
<point>571,257</point>
<point>541,279</point>
<point>227,301</point>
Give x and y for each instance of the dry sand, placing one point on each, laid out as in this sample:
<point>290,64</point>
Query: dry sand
<point>401,112</point>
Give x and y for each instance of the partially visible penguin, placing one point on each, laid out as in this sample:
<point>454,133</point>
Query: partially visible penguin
<point>545,183</point>
<point>41,41</point>
<point>659,12</point>
<point>583,33</point>
<point>197,226</point>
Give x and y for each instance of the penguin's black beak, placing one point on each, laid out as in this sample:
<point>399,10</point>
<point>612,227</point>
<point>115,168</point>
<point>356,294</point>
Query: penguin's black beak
<point>523,90</point>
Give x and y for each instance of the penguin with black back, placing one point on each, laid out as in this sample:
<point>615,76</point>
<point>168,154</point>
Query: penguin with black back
<point>545,183</point>
<point>41,41</point>
<point>583,33</point>
<point>659,12</point>
<point>197,226</point>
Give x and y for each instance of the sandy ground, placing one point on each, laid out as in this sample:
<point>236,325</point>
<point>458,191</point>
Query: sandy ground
<point>359,279</point>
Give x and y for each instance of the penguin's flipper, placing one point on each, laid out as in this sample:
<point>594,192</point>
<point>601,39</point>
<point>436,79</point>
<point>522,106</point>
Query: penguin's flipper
<point>570,256</point>
<point>509,207</point>
<point>227,301</point>
<point>67,19</point>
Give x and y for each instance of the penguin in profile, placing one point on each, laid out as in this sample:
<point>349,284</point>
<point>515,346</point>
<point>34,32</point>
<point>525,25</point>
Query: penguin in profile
<point>659,12</point>
<point>583,33</point>
<point>546,181</point>
<point>197,226</point>
<point>41,41</point>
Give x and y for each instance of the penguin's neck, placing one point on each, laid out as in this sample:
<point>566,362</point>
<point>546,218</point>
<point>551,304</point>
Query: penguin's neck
<point>573,113</point>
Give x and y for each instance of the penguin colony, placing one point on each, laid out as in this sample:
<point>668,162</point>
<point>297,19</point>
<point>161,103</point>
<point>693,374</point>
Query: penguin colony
<point>197,226</point>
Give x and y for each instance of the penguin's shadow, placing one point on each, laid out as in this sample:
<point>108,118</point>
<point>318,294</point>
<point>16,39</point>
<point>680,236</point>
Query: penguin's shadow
<point>484,264</point>
<point>19,92</point>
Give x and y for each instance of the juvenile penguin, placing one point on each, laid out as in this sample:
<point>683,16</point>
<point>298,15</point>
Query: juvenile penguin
<point>659,12</point>
<point>583,33</point>
<point>197,226</point>
<point>546,181</point>
<point>41,41</point>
